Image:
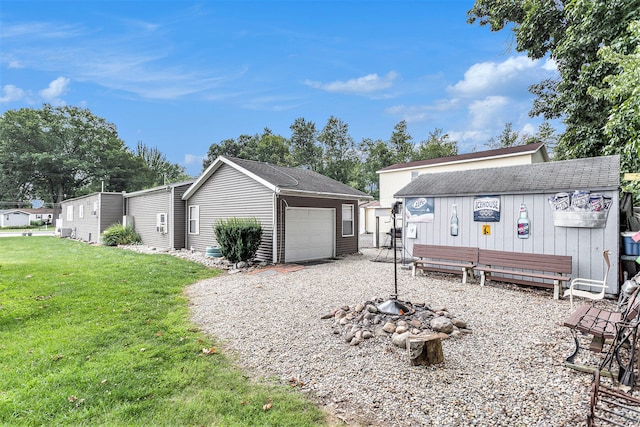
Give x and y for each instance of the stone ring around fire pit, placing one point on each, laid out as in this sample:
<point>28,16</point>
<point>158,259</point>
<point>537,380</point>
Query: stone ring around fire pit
<point>365,321</point>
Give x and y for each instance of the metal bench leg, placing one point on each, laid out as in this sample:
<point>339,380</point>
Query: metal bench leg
<point>482,278</point>
<point>573,355</point>
<point>556,289</point>
<point>464,275</point>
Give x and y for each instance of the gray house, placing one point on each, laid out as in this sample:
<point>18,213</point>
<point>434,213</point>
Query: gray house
<point>158,215</point>
<point>304,215</point>
<point>488,203</point>
<point>86,217</point>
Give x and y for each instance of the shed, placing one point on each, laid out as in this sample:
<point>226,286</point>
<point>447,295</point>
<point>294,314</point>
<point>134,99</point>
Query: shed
<point>14,218</point>
<point>504,190</point>
<point>86,217</point>
<point>158,215</point>
<point>304,215</point>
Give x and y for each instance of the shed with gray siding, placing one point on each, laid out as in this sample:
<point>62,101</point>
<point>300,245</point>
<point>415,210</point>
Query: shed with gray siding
<point>532,185</point>
<point>88,216</point>
<point>301,211</point>
<point>158,215</point>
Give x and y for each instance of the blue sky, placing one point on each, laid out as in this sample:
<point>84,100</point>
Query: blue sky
<point>182,75</point>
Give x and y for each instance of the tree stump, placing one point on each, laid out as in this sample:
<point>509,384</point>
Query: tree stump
<point>425,349</point>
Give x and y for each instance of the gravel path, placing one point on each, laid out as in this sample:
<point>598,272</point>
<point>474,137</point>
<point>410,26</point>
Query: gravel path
<point>508,372</point>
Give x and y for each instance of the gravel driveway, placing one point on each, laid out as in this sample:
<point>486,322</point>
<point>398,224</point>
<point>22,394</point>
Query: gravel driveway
<point>508,372</point>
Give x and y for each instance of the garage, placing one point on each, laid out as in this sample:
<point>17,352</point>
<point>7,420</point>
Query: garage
<point>309,234</point>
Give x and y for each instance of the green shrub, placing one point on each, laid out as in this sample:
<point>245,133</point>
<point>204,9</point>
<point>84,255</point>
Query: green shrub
<point>118,234</point>
<point>238,238</point>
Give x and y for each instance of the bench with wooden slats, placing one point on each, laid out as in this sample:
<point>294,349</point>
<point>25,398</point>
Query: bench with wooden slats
<point>445,259</point>
<point>524,268</point>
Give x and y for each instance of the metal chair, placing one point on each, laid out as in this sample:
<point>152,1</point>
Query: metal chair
<point>593,285</point>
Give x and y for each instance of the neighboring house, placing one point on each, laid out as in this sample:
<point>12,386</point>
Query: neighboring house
<point>158,215</point>
<point>40,214</point>
<point>394,177</point>
<point>86,217</point>
<point>488,202</point>
<point>304,215</point>
<point>368,216</point>
<point>14,218</point>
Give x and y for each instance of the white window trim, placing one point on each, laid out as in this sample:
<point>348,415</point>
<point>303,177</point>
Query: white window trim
<point>194,211</point>
<point>161,223</point>
<point>351,213</point>
<point>70,213</point>
<point>80,211</point>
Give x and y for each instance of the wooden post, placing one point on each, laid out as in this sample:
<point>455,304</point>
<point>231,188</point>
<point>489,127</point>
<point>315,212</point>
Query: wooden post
<point>425,349</point>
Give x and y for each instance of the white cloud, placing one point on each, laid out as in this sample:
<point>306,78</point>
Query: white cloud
<point>192,159</point>
<point>11,93</point>
<point>56,88</point>
<point>360,85</point>
<point>514,75</point>
<point>528,129</point>
<point>421,113</point>
<point>487,112</point>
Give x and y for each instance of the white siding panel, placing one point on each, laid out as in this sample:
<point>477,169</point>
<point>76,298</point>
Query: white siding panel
<point>584,245</point>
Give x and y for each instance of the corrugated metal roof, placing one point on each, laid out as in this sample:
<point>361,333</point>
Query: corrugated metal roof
<point>596,173</point>
<point>488,154</point>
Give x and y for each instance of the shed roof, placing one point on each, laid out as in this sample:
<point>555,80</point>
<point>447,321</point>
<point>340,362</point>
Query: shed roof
<point>516,150</point>
<point>595,173</point>
<point>281,179</point>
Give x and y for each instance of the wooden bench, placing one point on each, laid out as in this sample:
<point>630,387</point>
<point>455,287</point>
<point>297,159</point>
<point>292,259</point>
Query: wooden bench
<point>526,267</point>
<point>438,258</point>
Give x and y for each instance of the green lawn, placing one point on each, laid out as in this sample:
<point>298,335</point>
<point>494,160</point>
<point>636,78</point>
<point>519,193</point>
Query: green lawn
<point>93,335</point>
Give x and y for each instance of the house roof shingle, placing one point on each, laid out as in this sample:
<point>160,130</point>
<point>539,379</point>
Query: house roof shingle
<point>596,173</point>
<point>282,179</point>
<point>500,152</point>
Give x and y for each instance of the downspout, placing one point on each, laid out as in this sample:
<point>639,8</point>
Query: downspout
<point>171,220</point>
<point>276,222</point>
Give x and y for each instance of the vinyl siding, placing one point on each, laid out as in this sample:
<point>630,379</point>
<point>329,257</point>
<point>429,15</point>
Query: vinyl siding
<point>227,194</point>
<point>92,224</point>
<point>179,221</point>
<point>344,245</point>
<point>143,209</point>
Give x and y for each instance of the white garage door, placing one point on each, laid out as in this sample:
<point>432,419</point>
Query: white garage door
<point>309,234</point>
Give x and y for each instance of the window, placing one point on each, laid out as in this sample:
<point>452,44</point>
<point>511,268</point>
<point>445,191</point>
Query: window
<point>161,223</point>
<point>347,220</point>
<point>414,175</point>
<point>194,219</point>
<point>70,213</point>
<point>80,211</point>
<point>95,208</point>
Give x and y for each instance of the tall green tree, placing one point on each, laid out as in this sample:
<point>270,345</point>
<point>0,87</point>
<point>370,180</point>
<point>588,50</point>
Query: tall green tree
<point>62,152</point>
<point>507,138</point>
<point>304,148</point>
<point>622,90</point>
<point>570,32</point>
<point>438,144</point>
<point>401,142</point>
<point>159,170</point>
<point>339,156</point>
<point>228,147</point>
<point>376,155</point>
<point>272,149</point>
